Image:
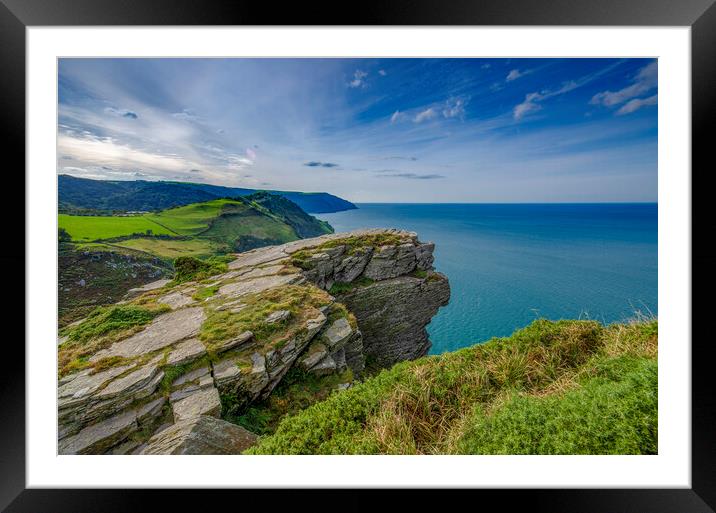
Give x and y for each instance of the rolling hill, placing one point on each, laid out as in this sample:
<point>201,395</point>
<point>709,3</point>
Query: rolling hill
<point>101,257</point>
<point>76,194</point>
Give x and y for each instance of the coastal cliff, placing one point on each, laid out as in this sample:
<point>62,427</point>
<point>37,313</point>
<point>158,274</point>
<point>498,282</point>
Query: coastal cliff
<point>158,372</point>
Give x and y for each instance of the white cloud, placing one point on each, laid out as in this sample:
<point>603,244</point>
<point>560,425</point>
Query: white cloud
<point>425,115</point>
<point>529,105</point>
<point>358,79</point>
<point>105,151</point>
<point>454,107</point>
<point>382,72</point>
<point>186,115</point>
<point>514,75</point>
<point>636,104</point>
<point>532,100</point>
<point>643,82</point>
<point>485,66</point>
<point>396,116</point>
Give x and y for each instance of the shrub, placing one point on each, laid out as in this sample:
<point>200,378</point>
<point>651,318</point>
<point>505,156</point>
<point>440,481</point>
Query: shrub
<point>190,268</point>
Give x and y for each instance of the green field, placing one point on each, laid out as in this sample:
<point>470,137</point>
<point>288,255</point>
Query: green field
<point>199,230</point>
<point>91,228</point>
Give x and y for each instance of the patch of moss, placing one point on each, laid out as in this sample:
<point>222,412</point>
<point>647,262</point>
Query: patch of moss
<point>205,292</point>
<point>302,301</point>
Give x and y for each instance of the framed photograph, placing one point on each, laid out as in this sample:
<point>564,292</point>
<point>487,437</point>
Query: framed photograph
<point>420,247</point>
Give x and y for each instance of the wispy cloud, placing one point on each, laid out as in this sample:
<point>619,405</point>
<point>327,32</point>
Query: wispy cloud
<point>645,80</point>
<point>636,104</point>
<point>514,75</point>
<point>425,115</point>
<point>124,113</point>
<point>411,176</point>
<point>315,163</point>
<point>396,116</point>
<point>382,72</point>
<point>532,100</point>
<point>454,107</point>
<point>359,77</point>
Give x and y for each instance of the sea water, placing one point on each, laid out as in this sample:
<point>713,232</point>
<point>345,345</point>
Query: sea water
<point>509,264</point>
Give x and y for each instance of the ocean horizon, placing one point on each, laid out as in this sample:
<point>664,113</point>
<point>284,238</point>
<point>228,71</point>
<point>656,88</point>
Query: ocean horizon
<point>511,263</point>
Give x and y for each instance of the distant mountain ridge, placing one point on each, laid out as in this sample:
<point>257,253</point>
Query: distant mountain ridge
<point>141,195</point>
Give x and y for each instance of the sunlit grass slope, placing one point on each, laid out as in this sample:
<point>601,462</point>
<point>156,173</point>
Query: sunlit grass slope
<point>566,387</point>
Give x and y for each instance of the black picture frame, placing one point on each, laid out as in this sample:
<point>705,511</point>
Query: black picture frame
<point>700,15</point>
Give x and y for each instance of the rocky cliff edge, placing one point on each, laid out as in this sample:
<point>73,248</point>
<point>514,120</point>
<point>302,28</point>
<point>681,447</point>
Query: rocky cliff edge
<point>194,352</point>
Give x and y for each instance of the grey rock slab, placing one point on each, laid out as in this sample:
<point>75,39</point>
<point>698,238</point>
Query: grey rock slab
<point>314,325</point>
<point>191,376</point>
<point>176,300</point>
<point>391,261</point>
<point>256,285</point>
<point>232,343</point>
<point>201,435</point>
<point>260,272</point>
<point>66,379</point>
<point>85,384</point>
<point>150,411</point>
<point>132,381</point>
<point>164,331</point>
<point>257,257</point>
<point>201,402</point>
<point>316,353</point>
<point>100,436</point>
<point>146,288</point>
<point>186,351</point>
<point>351,267</point>
<point>324,367</point>
<point>338,333</point>
<point>278,316</point>
<point>226,371</point>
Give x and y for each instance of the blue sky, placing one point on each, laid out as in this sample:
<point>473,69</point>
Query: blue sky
<point>369,130</point>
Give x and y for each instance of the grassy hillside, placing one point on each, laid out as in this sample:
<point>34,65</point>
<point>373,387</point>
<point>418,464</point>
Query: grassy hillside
<point>77,194</point>
<point>101,257</point>
<point>200,229</point>
<point>567,387</point>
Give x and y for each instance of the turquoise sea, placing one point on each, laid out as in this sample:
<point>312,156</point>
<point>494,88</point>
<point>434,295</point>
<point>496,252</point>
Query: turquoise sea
<point>511,263</point>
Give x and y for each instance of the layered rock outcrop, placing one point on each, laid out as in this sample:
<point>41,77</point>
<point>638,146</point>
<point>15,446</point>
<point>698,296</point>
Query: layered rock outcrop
<point>326,306</point>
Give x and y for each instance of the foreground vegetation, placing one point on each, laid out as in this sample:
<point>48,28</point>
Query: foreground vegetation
<point>567,387</point>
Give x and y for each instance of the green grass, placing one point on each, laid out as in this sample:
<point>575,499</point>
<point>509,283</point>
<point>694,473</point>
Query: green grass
<point>197,217</point>
<point>235,226</point>
<point>205,293</point>
<point>170,249</point>
<point>471,400</point>
<point>91,228</point>
<point>611,413</point>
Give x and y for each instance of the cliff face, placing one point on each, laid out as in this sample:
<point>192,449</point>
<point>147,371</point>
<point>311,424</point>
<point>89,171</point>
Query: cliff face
<point>320,307</point>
